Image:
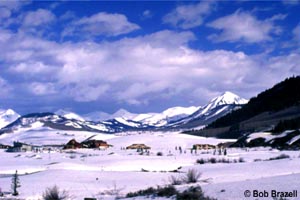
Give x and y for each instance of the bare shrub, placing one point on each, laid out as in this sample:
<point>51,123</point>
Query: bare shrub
<point>54,193</point>
<point>281,156</point>
<point>192,176</point>
<point>175,180</point>
<point>166,191</point>
<point>201,161</point>
<point>194,193</point>
<point>213,160</point>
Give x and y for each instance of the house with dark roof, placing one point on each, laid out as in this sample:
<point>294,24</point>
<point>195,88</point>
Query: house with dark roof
<point>95,144</point>
<point>20,147</point>
<point>72,144</point>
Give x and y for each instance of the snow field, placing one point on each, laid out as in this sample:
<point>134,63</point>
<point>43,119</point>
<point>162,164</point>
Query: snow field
<point>87,172</point>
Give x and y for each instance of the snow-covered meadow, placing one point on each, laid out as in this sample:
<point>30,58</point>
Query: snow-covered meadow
<point>95,173</point>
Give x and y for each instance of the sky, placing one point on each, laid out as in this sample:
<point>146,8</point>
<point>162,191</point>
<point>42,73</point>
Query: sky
<point>147,56</point>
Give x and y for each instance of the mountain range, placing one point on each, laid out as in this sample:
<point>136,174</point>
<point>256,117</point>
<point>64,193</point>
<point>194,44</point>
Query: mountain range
<point>275,110</point>
<point>272,118</point>
<point>181,118</point>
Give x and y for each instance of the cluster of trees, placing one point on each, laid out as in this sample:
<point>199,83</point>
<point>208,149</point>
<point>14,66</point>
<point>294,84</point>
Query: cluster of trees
<point>281,96</point>
<point>284,125</point>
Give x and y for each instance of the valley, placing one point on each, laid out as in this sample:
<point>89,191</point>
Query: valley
<point>231,148</point>
<point>106,174</point>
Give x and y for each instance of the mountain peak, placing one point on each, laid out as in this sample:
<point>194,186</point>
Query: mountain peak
<point>69,115</point>
<point>7,116</point>
<point>228,98</point>
<point>123,113</point>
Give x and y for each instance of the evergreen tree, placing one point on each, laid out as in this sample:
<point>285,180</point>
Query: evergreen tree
<point>225,152</point>
<point>15,184</point>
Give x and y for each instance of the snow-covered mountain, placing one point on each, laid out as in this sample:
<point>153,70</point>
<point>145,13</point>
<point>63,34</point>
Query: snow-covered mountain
<point>124,114</point>
<point>97,116</point>
<point>216,108</point>
<point>167,116</point>
<point>7,116</point>
<point>69,115</point>
<point>40,121</point>
<point>220,102</point>
<point>122,120</point>
<point>150,119</point>
<point>102,116</point>
<point>179,117</point>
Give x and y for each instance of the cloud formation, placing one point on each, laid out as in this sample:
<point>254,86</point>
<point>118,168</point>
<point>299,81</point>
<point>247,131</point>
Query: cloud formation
<point>245,27</point>
<point>189,16</point>
<point>296,33</point>
<point>5,88</point>
<point>138,70</point>
<point>61,57</point>
<point>38,18</point>
<point>101,23</point>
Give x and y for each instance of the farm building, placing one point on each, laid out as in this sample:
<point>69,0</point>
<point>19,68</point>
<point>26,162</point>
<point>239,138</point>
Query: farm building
<point>225,145</point>
<point>95,144</point>
<point>138,146</point>
<point>3,146</point>
<point>203,146</point>
<point>72,144</point>
<point>20,147</point>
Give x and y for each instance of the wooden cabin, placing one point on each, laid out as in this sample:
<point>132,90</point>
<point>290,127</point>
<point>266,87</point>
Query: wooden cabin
<point>138,146</point>
<point>203,146</point>
<point>3,146</point>
<point>20,147</point>
<point>99,144</point>
<point>72,144</point>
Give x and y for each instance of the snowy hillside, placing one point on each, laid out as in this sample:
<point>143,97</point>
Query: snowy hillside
<point>98,172</point>
<point>227,98</point>
<point>167,116</point>
<point>147,119</point>
<point>287,139</point>
<point>103,116</point>
<point>7,117</point>
<point>69,115</point>
<point>34,121</point>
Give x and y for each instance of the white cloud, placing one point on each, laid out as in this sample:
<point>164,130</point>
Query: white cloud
<point>296,33</point>
<point>38,18</point>
<point>33,68</point>
<point>7,8</point>
<point>138,70</point>
<point>189,16</point>
<point>13,5</point>
<point>4,13</point>
<point>102,24</point>
<point>5,88</point>
<point>40,89</point>
<point>243,26</point>
<point>87,93</point>
<point>291,2</point>
<point>147,14</point>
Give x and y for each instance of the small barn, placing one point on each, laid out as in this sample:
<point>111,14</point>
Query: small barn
<point>138,146</point>
<point>20,147</point>
<point>203,146</point>
<point>225,145</point>
<point>95,144</point>
<point>72,144</point>
<point>3,146</point>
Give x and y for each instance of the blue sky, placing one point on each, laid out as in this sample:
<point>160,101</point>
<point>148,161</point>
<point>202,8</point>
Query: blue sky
<point>142,56</point>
